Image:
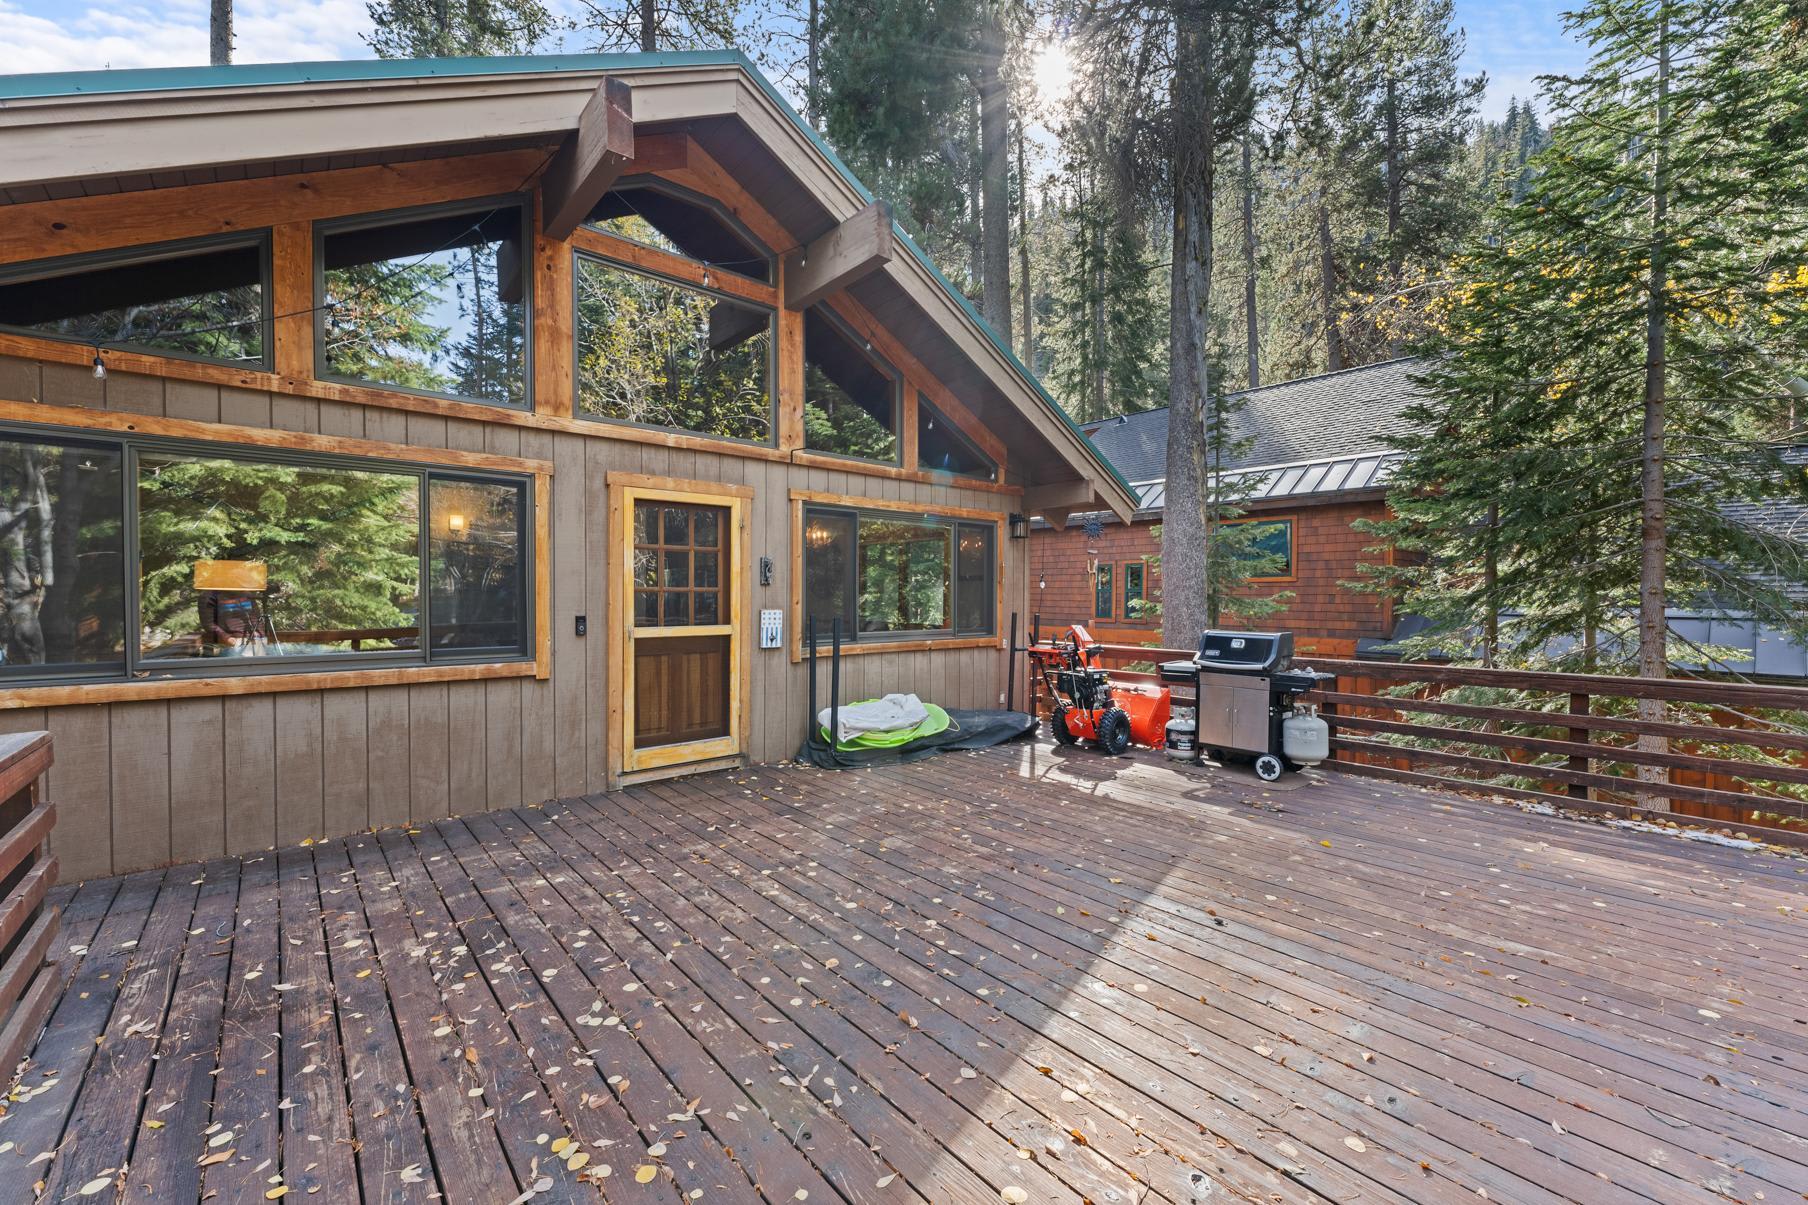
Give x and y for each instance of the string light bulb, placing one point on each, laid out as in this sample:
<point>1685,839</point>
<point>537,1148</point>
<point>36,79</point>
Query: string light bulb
<point>100,368</point>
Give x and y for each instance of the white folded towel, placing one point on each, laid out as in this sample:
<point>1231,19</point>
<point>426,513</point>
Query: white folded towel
<point>890,714</point>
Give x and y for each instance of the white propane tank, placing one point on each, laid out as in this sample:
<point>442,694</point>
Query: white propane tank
<point>1305,738</point>
<point>1182,740</point>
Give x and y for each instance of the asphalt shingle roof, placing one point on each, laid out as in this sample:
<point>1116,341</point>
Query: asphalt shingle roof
<point>1335,415</point>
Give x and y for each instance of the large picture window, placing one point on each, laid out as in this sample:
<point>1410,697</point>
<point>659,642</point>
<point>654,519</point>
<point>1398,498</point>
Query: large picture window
<point>662,354</point>
<point>433,301</point>
<point>891,575</point>
<point>658,214</point>
<point>1272,540</point>
<point>143,557</point>
<point>204,301</point>
<point>850,395</point>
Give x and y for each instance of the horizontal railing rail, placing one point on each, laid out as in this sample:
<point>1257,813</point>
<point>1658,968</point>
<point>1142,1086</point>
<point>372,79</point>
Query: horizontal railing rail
<point>28,870</point>
<point>1569,740</point>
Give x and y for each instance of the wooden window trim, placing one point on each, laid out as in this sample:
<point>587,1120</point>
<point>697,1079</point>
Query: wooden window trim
<point>802,498</point>
<point>539,665</point>
<point>1292,521</point>
<point>625,489</point>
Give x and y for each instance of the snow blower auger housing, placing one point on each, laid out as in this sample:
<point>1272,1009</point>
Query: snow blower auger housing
<point>1088,707</point>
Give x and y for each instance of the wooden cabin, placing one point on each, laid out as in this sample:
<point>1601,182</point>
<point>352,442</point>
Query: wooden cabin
<point>387,440</point>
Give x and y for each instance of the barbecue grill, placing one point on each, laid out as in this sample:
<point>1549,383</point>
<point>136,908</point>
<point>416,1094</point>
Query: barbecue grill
<point>1248,692</point>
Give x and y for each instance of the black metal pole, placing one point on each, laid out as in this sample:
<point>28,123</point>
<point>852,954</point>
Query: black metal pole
<point>1010,677</point>
<point>810,643</point>
<point>835,682</point>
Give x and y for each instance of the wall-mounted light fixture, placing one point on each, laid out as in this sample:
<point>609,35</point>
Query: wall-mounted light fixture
<point>455,523</point>
<point>1020,526</point>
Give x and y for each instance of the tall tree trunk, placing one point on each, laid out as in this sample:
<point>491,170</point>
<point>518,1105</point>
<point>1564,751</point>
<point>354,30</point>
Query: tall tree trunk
<point>976,260</point>
<point>219,33</point>
<point>1653,658</point>
<point>995,176</point>
<point>1395,202</point>
<point>1251,337</point>
<point>1186,527</point>
<point>649,25</point>
<point>1327,278</point>
<point>1027,301</point>
<point>1491,588</point>
<point>815,61</point>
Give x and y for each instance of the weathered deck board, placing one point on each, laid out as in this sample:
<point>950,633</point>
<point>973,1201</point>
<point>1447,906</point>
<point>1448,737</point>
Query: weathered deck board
<point>1086,978</point>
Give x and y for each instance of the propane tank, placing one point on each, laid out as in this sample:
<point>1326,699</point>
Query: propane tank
<point>1305,738</point>
<point>1182,740</point>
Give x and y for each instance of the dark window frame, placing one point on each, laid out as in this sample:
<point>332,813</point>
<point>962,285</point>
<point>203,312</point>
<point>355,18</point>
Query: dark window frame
<point>1104,589</point>
<point>862,346</point>
<point>577,410</point>
<point>520,201</point>
<point>1142,586</point>
<point>87,261</point>
<point>850,632</point>
<point>958,436</point>
<point>134,666</point>
<point>1291,570</point>
<point>644,182</point>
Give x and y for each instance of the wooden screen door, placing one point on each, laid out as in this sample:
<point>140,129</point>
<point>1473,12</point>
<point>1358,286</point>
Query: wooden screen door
<point>682,623</point>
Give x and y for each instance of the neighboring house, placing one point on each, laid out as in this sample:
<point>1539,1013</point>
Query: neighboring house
<point>384,440</point>
<point>1316,462</point>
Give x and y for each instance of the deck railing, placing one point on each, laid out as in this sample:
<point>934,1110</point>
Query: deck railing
<point>27,872</point>
<point>1568,740</point>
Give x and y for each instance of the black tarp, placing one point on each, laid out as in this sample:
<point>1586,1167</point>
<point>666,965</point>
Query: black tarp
<point>966,730</point>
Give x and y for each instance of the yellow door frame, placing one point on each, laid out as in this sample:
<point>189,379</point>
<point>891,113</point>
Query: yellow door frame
<point>626,489</point>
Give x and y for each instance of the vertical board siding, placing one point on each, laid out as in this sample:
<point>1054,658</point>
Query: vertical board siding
<point>146,783</point>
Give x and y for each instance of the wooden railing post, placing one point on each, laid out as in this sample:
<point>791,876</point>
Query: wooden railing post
<point>28,986</point>
<point>1578,705</point>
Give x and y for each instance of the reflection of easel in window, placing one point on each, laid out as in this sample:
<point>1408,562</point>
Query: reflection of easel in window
<point>234,603</point>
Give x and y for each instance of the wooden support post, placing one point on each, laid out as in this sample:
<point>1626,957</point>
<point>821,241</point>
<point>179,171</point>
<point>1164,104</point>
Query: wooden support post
<point>790,369</point>
<point>591,159</point>
<point>1578,705</point>
<point>292,298</point>
<point>858,247</point>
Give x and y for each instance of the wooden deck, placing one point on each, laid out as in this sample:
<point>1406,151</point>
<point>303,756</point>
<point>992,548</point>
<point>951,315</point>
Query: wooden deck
<point>1024,974</point>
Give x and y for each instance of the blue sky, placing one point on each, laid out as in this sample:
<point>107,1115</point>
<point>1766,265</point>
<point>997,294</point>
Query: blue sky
<point>1512,40</point>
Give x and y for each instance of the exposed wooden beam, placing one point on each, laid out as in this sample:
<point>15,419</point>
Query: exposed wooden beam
<point>590,160</point>
<point>1065,496</point>
<point>856,248</point>
<point>1056,517</point>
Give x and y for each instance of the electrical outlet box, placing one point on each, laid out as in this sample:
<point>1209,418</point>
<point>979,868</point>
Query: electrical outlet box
<point>583,625</point>
<point>772,629</point>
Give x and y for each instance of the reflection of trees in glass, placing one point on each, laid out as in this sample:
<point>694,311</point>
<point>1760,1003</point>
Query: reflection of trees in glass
<point>423,305</point>
<point>904,576</point>
<point>650,351</point>
<point>63,596</point>
<point>341,545</point>
<point>207,303</point>
<point>474,564</point>
<point>833,422</point>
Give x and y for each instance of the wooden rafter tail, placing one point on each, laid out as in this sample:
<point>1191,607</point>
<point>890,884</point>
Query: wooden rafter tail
<point>591,159</point>
<point>851,251</point>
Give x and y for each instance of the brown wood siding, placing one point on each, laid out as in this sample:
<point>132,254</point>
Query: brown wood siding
<point>142,784</point>
<point>1327,550</point>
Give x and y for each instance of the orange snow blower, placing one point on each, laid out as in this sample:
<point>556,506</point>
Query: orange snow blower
<point>1087,705</point>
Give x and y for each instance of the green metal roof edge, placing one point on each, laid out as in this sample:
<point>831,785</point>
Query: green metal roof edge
<point>166,79</point>
<point>48,84</point>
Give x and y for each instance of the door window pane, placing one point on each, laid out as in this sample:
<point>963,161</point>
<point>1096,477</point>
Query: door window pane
<point>435,303</point>
<point>1102,592</point>
<point>1133,589</point>
<point>62,560</point>
<point>975,585</point>
<point>662,354</point>
<point>478,582</point>
<point>906,583</point>
<point>850,397</point>
<point>242,558</point>
<point>206,302</point>
<point>676,582</point>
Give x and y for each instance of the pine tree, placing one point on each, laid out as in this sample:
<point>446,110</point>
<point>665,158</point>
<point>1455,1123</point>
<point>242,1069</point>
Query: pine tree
<point>1627,337</point>
<point>413,29</point>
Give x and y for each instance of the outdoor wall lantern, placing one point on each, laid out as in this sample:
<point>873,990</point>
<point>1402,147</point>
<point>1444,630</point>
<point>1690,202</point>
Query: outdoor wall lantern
<point>1020,526</point>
